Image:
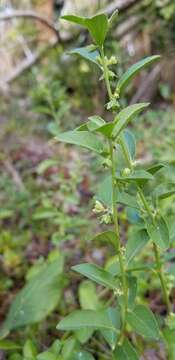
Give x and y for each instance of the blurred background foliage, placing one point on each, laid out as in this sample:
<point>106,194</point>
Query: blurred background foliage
<point>46,189</point>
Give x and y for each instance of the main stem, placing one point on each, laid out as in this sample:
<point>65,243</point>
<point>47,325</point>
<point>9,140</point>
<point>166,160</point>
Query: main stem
<point>157,254</point>
<point>115,213</point>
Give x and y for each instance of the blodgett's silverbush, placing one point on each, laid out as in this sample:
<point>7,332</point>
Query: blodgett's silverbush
<point>124,183</point>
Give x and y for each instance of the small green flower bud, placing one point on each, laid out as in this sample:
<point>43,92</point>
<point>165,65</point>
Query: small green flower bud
<point>113,60</point>
<point>126,172</point>
<point>98,208</point>
<point>116,95</point>
<point>106,219</point>
<point>171,321</point>
<point>118,292</point>
<point>134,163</point>
<point>123,250</point>
<point>107,163</point>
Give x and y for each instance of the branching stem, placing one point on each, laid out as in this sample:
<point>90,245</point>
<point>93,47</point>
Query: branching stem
<point>115,213</point>
<point>156,254</point>
<point>155,247</point>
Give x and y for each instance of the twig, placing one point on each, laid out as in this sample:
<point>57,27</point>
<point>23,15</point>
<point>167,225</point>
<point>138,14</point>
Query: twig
<point>120,5</point>
<point>4,16</point>
<point>14,174</point>
<point>26,64</point>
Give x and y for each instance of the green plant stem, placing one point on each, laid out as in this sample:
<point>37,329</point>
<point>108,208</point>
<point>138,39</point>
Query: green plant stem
<point>115,214</point>
<point>155,248</point>
<point>120,256</point>
<point>159,267</point>
<point>106,73</point>
<point>161,277</point>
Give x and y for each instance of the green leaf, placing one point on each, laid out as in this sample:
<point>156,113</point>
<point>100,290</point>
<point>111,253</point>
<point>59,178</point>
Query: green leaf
<point>127,200</point>
<point>38,297</point>
<point>82,355</point>
<point>97,274</point>
<point>80,319</point>
<point>135,244</point>
<point>125,352</point>
<point>106,129</point>
<point>94,122</point>
<point>125,116</point>
<point>5,214</point>
<point>142,320</point>
<point>129,139</point>
<point>113,18</point>
<point>166,194</point>
<point>79,20</point>
<point>68,349</point>
<point>87,54</point>
<point>170,321</point>
<point>16,356</point>
<point>108,237</point>
<point>161,193</point>
<point>133,215</point>
<point>44,214</point>
<point>89,301</point>
<point>113,266</point>
<point>159,232</point>
<point>133,70</point>
<point>132,292</point>
<point>56,347</point>
<point>29,350</point>
<point>136,175</point>
<point>8,345</point>
<point>110,335</point>
<point>47,355</point>
<point>169,336</point>
<point>155,168</point>
<point>87,296</point>
<point>96,25</point>
<point>82,138</point>
<point>104,192</point>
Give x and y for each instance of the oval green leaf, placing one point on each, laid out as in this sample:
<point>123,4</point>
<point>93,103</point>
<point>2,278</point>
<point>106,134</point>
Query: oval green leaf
<point>81,138</point>
<point>133,70</point>
<point>159,232</point>
<point>135,244</point>
<point>83,355</point>
<point>97,274</point>
<point>110,335</point>
<point>80,319</point>
<point>142,320</point>
<point>32,303</point>
<point>125,352</point>
<point>125,116</point>
<point>87,54</point>
<point>96,25</point>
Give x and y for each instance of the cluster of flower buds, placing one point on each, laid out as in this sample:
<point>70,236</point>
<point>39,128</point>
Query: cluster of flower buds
<point>170,321</point>
<point>126,171</point>
<point>106,217</point>
<point>98,208</point>
<point>111,61</point>
<point>118,292</point>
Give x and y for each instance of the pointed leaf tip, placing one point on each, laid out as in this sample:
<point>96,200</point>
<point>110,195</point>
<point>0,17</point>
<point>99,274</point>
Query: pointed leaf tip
<point>134,70</point>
